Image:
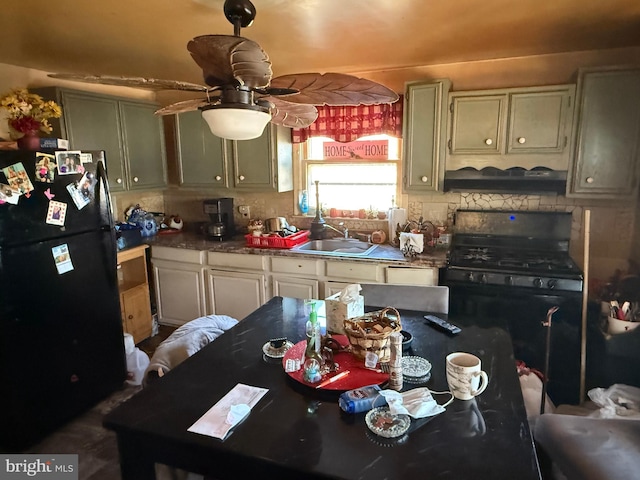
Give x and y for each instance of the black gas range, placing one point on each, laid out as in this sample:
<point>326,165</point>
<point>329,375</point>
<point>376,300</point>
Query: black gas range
<point>515,266</point>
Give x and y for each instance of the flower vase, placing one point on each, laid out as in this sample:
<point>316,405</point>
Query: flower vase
<point>30,141</point>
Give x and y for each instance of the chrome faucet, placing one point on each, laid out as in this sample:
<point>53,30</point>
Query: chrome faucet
<point>344,232</point>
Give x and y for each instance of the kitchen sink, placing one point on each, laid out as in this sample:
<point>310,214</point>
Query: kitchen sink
<point>344,247</point>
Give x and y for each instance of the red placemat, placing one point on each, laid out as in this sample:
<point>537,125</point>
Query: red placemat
<point>359,376</point>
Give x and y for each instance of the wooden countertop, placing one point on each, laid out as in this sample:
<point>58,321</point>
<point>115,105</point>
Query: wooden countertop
<point>385,253</point>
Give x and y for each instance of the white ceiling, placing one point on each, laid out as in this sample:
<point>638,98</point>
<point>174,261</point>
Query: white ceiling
<point>148,37</point>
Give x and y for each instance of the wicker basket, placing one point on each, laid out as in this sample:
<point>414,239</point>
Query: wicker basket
<point>371,332</point>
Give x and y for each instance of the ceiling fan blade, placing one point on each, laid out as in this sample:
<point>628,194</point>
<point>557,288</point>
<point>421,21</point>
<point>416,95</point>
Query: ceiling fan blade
<point>292,115</point>
<point>334,89</point>
<point>227,60</point>
<point>184,106</point>
<point>136,82</point>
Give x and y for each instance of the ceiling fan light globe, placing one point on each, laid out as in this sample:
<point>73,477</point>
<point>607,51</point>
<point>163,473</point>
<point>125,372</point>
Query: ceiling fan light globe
<point>236,123</point>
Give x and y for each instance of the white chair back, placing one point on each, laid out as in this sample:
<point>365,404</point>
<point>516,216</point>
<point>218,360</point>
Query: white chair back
<point>409,297</point>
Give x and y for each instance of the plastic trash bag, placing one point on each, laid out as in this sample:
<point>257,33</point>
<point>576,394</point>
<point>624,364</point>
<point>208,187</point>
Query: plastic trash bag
<point>617,401</point>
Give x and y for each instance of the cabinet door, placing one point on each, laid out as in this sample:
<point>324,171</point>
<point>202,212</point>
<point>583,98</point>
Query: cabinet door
<point>92,123</point>
<point>536,122</point>
<point>144,145</point>
<point>201,155</point>
<point>235,294</point>
<point>606,148</point>
<point>179,292</point>
<point>478,124</point>
<point>423,137</point>
<point>137,312</point>
<point>295,287</point>
<point>253,162</point>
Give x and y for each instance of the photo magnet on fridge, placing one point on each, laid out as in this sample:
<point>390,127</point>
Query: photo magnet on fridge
<point>17,178</point>
<point>45,167</point>
<point>56,213</point>
<point>68,162</point>
<point>8,194</point>
<point>78,198</point>
<point>86,158</point>
<point>62,258</point>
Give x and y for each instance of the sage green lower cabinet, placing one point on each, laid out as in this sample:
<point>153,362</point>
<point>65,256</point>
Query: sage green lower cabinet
<point>606,151</point>
<point>262,164</point>
<point>423,135</point>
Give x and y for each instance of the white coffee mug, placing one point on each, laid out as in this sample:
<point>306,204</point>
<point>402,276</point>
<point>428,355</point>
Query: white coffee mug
<point>465,376</point>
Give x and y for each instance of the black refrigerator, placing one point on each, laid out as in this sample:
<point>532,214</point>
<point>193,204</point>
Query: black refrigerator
<point>61,339</point>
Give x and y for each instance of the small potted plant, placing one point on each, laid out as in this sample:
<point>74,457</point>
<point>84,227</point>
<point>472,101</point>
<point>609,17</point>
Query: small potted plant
<point>28,115</point>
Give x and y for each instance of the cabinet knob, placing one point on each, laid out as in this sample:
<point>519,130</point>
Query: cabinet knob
<point>521,140</point>
<point>241,178</point>
<point>130,317</point>
<point>135,179</point>
<point>424,178</point>
<point>488,141</point>
<point>118,180</point>
<point>590,180</point>
<point>218,178</point>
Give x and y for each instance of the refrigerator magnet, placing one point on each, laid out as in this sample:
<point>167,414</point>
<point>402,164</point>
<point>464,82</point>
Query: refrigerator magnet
<point>45,167</point>
<point>56,213</point>
<point>62,258</point>
<point>86,158</point>
<point>17,178</point>
<point>8,194</point>
<point>87,184</point>
<point>67,162</point>
<point>78,198</point>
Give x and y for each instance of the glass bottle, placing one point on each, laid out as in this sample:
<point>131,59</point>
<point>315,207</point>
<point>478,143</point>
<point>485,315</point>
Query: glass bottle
<point>314,338</point>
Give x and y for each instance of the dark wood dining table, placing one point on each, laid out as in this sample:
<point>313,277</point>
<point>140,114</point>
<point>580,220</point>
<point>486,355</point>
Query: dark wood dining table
<point>298,432</point>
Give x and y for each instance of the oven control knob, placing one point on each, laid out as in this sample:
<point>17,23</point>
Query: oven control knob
<point>508,280</point>
<point>470,277</point>
<point>482,278</point>
<point>537,282</point>
<point>552,283</point>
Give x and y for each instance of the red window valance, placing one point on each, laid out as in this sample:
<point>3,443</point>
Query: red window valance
<point>347,124</point>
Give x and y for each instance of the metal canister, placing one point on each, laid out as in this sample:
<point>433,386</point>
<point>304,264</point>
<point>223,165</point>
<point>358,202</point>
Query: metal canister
<point>395,364</point>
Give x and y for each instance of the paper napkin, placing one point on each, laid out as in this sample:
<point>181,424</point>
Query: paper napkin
<point>230,410</point>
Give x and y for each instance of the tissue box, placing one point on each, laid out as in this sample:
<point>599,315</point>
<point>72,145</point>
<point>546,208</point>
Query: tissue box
<point>338,312</point>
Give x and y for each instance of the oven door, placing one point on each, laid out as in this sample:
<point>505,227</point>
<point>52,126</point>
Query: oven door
<point>523,311</point>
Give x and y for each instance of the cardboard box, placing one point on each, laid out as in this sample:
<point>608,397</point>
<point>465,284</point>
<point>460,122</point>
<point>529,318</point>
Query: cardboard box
<point>59,143</point>
<point>338,312</point>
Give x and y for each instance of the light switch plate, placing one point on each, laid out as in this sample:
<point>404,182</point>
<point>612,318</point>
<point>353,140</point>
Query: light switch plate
<point>244,210</point>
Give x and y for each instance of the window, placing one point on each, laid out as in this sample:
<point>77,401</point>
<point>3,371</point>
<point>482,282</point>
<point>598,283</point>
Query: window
<point>353,176</point>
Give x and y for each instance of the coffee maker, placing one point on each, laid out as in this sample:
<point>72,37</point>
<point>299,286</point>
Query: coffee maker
<point>222,226</point>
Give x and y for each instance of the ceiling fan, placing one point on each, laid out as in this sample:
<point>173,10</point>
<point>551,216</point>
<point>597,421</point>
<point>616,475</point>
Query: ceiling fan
<point>241,96</point>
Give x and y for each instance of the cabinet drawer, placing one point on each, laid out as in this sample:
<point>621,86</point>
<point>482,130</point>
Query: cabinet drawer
<point>177,255</point>
<point>295,265</point>
<point>355,271</point>
<point>412,276</point>
<point>236,261</point>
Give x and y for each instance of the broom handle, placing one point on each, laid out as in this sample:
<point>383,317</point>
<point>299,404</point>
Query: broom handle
<point>585,297</point>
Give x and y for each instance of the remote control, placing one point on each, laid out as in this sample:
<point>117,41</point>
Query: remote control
<point>442,325</point>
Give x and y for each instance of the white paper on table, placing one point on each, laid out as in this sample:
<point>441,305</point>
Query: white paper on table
<point>214,422</point>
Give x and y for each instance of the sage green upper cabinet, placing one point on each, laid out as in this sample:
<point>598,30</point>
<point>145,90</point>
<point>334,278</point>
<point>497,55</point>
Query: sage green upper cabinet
<point>144,145</point>
<point>423,135</point>
<point>478,123</point>
<point>205,161</point>
<point>201,155</point>
<point>525,127</point>
<point>264,163</point>
<point>127,130</point>
<point>606,150</point>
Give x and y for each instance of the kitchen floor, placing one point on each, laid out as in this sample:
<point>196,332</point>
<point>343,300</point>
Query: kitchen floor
<point>150,344</point>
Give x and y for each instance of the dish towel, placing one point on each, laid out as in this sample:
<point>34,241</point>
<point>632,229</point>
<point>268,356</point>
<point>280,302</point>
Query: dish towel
<point>397,216</point>
<point>411,243</point>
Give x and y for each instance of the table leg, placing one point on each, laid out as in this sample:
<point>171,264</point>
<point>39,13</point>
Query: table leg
<point>135,464</point>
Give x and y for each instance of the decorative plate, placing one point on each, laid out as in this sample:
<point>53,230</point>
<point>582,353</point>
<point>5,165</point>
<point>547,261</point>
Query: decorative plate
<point>382,422</point>
<point>271,352</point>
<point>414,366</point>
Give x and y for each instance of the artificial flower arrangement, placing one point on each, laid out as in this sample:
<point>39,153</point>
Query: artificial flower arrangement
<point>28,113</point>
